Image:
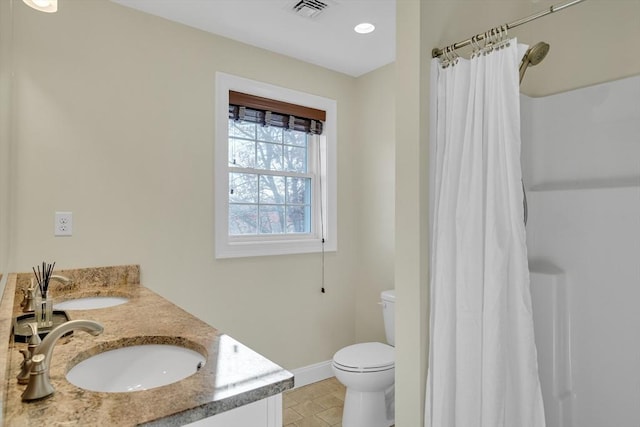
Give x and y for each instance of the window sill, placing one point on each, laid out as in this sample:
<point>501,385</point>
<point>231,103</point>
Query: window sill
<point>241,249</point>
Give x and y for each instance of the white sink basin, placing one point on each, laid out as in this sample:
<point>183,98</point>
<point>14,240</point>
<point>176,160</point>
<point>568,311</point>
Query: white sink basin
<point>135,368</point>
<point>90,303</point>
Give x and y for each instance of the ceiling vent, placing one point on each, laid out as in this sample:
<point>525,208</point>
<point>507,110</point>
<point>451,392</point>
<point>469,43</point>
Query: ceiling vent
<point>309,8</point>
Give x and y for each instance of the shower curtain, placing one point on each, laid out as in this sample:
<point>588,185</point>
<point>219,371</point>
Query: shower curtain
<point>482,357</point>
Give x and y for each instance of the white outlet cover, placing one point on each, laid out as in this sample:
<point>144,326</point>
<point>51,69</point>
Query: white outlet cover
<point>63,225</point>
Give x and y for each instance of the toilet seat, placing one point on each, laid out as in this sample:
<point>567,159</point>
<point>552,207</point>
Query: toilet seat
<point>365,357</point>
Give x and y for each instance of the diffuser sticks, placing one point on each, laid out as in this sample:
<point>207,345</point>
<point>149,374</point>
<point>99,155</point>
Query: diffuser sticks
<point>43,276</point>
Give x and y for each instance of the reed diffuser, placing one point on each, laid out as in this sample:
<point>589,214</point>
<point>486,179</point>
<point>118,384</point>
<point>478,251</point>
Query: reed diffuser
<point>44,304</point>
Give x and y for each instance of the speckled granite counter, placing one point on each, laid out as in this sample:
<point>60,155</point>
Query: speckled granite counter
<point>233,375</point>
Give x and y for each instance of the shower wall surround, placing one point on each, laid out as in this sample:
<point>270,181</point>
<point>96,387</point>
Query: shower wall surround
<point>584,138</point>
<point>581,165</point>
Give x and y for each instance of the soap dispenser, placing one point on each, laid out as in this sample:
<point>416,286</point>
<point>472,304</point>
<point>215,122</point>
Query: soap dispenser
<point>34,341</point>
<point>28,303</point>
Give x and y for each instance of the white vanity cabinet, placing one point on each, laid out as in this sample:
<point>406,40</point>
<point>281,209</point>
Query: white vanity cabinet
<point>263,413</point>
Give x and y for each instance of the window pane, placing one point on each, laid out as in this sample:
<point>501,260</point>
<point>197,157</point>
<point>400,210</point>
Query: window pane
<point>295,137</point>
<point>242,153</point>
<point>295,159</point>
<point>243,219</point>
<point>242,129</point>
<point>243,188</point>
<point>272,189</point>
<point>298,219</point>
<point>271,219</point>
<point>298,190</point>
<point>269,156</point>
<point>270,134</point>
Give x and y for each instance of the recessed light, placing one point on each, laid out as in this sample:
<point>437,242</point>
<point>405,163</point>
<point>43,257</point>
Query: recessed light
<point>49,6</point>
<point>364,28</point>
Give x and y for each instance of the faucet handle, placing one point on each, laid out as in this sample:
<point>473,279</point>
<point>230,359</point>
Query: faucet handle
<point>39,385</point>
<point>28,300</point>
<point>25,367</point>
<point>38,366</point>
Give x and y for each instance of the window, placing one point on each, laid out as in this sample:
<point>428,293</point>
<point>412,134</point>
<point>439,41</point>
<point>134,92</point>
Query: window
<point>270,182</point>
<point>275,189</point>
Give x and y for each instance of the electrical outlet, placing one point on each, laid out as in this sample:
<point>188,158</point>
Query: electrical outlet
<point>63,224</point>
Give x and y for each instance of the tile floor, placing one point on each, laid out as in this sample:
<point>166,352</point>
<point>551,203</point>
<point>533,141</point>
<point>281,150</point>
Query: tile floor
<point>314,405</point>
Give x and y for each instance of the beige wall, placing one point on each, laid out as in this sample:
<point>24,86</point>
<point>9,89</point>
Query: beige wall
<point>5,133</point>
<point>592,42</point>
<point>113,115</point>
<point>411,259</point>
<point>376,194</point>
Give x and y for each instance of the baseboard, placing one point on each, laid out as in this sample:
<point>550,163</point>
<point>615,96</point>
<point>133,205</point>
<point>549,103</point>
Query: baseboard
<point>312,373</point>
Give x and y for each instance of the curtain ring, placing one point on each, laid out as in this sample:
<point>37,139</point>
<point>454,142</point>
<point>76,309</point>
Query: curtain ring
<point>506,34</point>
<point>454,55</point>
<point>473,47</point>
<point>492,39</point>
<point>485,45</point>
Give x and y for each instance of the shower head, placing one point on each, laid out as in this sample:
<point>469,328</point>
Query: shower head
<point>535,54</point>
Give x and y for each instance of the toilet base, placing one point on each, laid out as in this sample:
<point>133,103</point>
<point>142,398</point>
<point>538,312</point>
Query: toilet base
<point>365,409</point>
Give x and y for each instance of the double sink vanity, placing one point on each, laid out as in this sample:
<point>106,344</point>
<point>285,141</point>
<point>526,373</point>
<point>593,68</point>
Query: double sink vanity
<point>183,370</point>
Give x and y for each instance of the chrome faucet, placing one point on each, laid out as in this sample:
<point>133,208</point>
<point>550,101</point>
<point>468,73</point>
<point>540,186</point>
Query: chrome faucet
<point>39,383</point>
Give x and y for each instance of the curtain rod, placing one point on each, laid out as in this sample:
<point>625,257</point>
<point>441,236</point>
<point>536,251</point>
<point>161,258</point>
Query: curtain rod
<point>436,52</point>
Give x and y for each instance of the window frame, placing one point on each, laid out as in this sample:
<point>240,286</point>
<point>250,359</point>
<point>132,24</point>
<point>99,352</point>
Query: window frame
<point>263,245</point>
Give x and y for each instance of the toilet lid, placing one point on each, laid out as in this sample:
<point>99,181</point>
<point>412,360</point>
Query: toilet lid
<point>365,356</point>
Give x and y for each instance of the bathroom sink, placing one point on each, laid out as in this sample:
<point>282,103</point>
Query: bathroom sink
<point>136,368</point>
<point>90,303</point>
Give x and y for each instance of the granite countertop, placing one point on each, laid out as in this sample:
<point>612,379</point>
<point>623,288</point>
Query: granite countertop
<point>234,375</point>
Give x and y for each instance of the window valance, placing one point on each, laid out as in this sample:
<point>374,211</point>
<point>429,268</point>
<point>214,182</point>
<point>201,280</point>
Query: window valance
<point>270,112</point>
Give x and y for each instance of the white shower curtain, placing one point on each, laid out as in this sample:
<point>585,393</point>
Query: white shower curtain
<point>482,357</point>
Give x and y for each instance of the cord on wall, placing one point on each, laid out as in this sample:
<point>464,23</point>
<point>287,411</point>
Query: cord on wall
<point>323,290</point>
<point>322,241</point>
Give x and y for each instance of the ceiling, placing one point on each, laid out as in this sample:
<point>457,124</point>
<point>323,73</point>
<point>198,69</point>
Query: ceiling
<point>327,39</point>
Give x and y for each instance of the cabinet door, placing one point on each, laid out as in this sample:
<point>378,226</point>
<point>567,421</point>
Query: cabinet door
<point>263,413</point>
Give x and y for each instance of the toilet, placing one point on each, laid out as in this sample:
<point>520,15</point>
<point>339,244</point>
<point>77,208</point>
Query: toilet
<point>367,370</point>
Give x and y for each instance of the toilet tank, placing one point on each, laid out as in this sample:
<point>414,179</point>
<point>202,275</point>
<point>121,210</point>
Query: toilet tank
<point>388,313</point>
